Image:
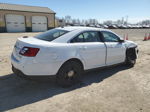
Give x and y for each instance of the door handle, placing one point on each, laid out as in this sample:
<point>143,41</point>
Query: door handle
<point>110,46</point>
<point>83,48</point>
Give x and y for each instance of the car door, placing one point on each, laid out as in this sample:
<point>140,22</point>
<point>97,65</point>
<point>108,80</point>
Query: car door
<point>91,49</point>
<point>116,50</point>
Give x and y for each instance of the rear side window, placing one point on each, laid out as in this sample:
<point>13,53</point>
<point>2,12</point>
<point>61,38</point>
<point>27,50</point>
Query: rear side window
<point>51,34</point>
<point>90,36</point>
<point>78,39</point>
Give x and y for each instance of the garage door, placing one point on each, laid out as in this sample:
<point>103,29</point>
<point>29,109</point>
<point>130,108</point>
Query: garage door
<point>15,23</point>
<point>39,23</point>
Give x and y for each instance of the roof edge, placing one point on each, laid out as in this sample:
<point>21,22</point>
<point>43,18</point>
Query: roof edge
<point>28,11</point>
<point>27,6</point>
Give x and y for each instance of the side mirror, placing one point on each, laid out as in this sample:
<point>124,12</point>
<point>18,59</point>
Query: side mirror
<point>121,40</point>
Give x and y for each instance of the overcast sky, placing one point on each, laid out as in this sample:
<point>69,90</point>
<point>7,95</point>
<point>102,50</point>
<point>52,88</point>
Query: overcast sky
<point>102,10</point>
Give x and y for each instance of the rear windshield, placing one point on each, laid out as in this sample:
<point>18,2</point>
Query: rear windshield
<point>51,34</point>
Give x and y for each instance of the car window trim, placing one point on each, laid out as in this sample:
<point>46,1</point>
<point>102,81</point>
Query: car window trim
<point>101,36</point>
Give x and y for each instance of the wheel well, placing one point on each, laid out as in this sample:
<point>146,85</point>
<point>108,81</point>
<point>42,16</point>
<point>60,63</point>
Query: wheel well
<point>76,60</point>
<point>133,51</point>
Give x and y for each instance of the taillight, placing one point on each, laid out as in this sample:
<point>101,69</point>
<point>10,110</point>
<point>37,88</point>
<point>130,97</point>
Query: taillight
<point>29,51</point>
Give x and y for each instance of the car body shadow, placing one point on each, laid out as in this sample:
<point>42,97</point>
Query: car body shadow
<point>16,92</point>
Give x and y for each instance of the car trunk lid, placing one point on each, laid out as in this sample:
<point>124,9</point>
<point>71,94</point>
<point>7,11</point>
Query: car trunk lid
<point>26,42</point>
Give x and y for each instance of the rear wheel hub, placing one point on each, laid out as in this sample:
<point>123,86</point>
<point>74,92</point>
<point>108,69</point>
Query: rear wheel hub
<point>70,73</point>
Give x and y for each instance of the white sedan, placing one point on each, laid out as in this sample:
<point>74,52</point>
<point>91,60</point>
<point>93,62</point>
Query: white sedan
<point>66,52</point>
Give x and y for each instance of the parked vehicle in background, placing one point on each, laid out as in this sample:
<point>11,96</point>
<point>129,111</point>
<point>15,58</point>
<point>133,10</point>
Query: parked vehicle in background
<point>66,52</point>
<point>112,27</point>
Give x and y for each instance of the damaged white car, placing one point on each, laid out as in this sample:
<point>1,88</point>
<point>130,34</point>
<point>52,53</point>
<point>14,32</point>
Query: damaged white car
<point>66,52</point>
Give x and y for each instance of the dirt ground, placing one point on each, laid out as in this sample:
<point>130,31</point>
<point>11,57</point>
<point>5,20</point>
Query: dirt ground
<point>115,89</point>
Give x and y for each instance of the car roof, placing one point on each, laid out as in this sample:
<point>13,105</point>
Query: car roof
<point>72,28</point>
<point>73,31</point>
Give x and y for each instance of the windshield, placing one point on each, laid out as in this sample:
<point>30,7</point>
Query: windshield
<point>51,34</point>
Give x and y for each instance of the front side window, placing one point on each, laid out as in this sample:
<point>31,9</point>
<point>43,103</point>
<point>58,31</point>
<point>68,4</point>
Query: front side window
<point>90,36</point>
<point>109,37</point>
<point>51,34</point>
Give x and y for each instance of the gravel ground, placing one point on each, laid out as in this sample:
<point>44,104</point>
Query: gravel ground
<point>115,89</point>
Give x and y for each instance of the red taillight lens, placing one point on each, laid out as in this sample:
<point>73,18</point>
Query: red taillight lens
<point>29,51</point>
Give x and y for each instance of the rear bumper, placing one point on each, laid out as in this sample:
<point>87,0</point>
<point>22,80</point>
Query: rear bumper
<point>22,75</point>
<point>18,72</point>
<point>28,67</point>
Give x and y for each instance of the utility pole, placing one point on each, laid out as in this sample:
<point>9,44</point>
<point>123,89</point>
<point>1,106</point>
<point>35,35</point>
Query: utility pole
<point>123,20</point>
<point>126,20</point>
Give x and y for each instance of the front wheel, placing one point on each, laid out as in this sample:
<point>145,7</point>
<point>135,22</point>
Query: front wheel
<point>69,74</point>
<point>130,58</point>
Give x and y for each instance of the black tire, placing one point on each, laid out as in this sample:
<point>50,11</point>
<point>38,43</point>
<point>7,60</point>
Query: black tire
<point>69,74</point>
<point>130,58</point>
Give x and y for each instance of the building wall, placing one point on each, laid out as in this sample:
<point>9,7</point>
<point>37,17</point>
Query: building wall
<point>28,19</point>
